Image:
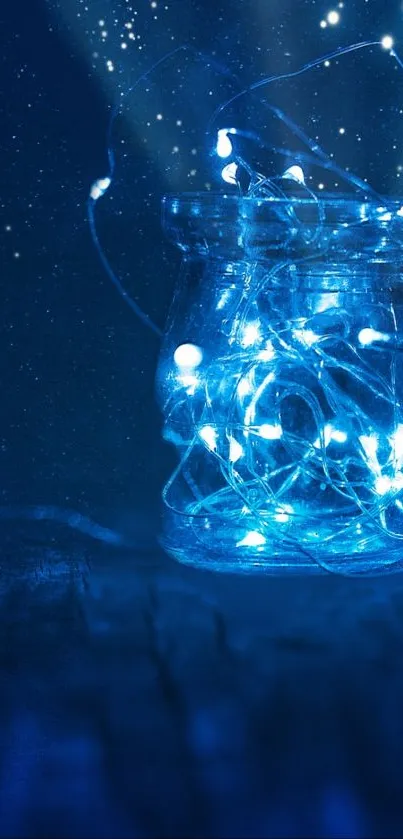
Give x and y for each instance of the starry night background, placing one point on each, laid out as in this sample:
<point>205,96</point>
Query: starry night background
<point>138,697</point>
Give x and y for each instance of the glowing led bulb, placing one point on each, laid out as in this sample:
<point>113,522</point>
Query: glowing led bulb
<point>99,187</point>
<point>306,336</point>
<point>367,336</point>
<point>244,387</point>
<point>369,443</point>
<point>224,145</point>
<point>387,42</point>
<point>251,540</point>
<point>250,334</point>
<point>327,436</point>
<point>339,436</point>
<point>383,484</point>
<point>330,433</point>
<point>283,513</point>
<point>209,435</point>
<point>333,17</point>
<point>270,432</point>
<point>188,356</point>
<point>229,173</point>
<point>235,450</point>
<point>295,173</point>
<point>268,353</point>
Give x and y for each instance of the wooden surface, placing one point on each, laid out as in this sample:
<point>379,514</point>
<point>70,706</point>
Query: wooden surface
<point>142,698</point>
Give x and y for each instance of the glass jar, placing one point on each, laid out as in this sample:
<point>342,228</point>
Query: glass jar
<point>280,380</point>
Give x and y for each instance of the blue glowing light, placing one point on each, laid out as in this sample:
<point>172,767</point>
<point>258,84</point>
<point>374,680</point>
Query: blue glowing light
<point>285,404</point>
<point>291,444</point>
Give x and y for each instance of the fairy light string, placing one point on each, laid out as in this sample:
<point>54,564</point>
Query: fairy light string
<point>297,416</point>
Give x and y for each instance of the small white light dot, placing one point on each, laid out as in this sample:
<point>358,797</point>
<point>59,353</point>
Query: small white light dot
<point>295,173</point>
<point>229,173</point>
<point>306,336</point>
<point>270,432</point>
<point>383,484</point>
<point>250,332</point>
<point>188,356</point>
<point>252,540</point>
<point>339,436</point>
<point>283,513</point>
<point>323,24</point>
<point>235,450</point>
<point>224,145</point>
<point>333,17</point>
<point>368,335</point>
<point>387,42</point>
<point>209,435</point>
<point>342,130</point>
<point>99,188</point>
<point>159,117</point>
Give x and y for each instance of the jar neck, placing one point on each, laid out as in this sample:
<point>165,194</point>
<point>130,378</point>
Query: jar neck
<point>336,231</point>
<point>311,275</point>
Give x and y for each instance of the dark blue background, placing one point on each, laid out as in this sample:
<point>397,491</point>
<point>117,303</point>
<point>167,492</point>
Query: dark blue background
<point>139,698</point>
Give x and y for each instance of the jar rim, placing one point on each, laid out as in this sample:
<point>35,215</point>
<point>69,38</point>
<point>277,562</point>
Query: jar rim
<point>257,226</point>
<point>324,196</point>
<point>383,202</point>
